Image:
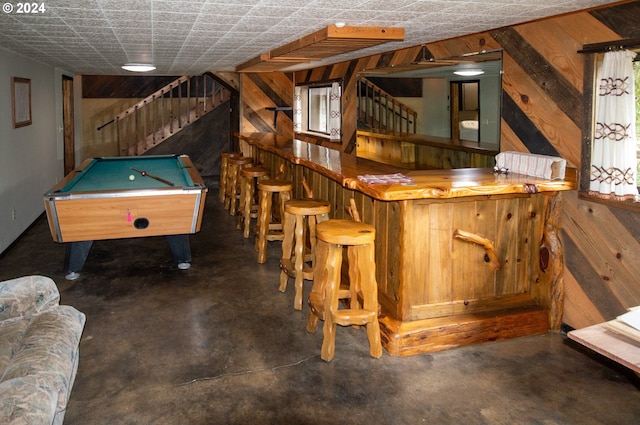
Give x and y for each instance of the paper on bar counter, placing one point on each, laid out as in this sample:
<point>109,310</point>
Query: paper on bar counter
<point>627,325</point>
<point>543,166</point>
<point>631,318</point>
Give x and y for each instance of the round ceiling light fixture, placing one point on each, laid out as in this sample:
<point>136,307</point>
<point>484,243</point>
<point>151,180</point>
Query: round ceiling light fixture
<point>138,67</point>
<point>468,72</point>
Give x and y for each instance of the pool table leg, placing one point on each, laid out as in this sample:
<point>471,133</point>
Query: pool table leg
<point>74,258</point>
<point>180,250</point>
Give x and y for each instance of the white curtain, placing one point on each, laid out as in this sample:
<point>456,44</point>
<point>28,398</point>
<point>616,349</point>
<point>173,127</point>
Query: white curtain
<point>613,156</point>
<point>335,119</point>
<point>297,109</point>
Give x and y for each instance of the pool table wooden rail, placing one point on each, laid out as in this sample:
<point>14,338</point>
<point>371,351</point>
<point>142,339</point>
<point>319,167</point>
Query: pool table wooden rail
<point>114,214</point>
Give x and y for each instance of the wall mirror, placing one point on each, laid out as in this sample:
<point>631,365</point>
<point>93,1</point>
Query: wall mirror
<point>457,98</point>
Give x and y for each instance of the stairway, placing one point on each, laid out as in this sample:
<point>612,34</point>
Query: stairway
<point>166,112</point>
<point>380,112</point>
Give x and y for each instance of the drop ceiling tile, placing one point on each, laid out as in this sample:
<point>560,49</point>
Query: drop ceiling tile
<point>220,34</point>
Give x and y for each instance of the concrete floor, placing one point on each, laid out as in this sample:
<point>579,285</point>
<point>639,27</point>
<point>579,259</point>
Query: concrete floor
<point>218,344</point>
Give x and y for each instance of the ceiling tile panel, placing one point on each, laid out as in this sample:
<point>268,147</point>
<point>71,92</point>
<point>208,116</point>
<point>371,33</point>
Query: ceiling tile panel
<point>194,36</point>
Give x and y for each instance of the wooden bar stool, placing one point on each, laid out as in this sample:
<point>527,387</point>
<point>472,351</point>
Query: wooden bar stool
<point>248,204</point>
<point>224,173</point>
<point>300,218</point>
<point>269,226</point>
<point>359,239</point>
<point>233,183</point>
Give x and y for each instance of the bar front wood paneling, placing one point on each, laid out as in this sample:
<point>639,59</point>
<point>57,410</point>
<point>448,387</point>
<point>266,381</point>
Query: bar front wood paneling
<point>438,290</point>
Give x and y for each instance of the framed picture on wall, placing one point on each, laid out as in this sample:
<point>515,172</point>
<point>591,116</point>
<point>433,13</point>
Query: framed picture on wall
<point>21,101</point>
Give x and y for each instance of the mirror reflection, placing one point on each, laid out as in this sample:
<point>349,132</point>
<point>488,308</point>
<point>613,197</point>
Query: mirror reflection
<point>456,98</point>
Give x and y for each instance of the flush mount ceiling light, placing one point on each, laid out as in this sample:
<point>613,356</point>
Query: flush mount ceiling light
<point>138,67</point>
<point>468,72</point>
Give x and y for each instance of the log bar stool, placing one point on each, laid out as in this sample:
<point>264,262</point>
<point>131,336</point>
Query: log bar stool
<point>297,213</point>
<point>269,229</point>
<point>248,204</point>
<point>323,300</point>
<point>233,183</point>
<point>224,173</point>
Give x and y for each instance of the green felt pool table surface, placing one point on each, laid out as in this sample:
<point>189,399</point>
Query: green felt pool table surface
<point>102,174</point>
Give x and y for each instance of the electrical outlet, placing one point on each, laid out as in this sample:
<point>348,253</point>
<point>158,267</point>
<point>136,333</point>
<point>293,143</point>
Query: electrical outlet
<point>13,214</point>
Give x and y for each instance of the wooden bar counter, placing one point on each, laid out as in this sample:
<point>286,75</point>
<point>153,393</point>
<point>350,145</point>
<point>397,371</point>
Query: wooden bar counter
<point>463,256</point>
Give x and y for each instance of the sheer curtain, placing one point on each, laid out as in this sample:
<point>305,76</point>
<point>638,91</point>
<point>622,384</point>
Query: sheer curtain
<point>335,113</point>
<point>613,156</point>
<point>297,109</point>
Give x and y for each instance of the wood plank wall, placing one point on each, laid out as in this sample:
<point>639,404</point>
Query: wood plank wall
<point>541,113</point>
<point>263,90</point>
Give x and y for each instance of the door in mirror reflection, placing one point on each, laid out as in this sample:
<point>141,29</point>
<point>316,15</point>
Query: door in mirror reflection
<point>465,111</point>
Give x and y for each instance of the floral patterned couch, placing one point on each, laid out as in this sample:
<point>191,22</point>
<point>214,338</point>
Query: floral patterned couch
<point>38,351</point>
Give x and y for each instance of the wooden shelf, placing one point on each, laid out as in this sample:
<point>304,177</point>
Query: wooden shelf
<point>327,42</point>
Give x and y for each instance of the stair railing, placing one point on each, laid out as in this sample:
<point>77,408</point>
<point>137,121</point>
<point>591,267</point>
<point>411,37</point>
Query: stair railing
<point>165,112</point>
<point>380,112</point>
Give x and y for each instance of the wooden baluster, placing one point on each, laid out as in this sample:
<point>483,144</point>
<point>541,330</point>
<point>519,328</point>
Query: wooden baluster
<point>162,114</point>
<point>118,137</point>
<point>134,132</point>
<point>393,115</point>
<point>189,101</point>
<point>171,111</point>
<point>153,120</point>
<point>204,95</point>
<point>197,97</point>
<point>179,87</point>
<point>144,125</point>
<point>375,111</point>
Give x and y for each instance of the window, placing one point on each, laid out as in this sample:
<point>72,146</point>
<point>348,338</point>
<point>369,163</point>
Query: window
<point>598,169</point>
<point>318,109</point>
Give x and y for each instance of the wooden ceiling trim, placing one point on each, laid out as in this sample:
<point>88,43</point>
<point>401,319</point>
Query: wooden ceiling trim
<point>327,42</point>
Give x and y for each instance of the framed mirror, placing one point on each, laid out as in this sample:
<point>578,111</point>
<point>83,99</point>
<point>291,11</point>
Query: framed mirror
<point>455,98</point>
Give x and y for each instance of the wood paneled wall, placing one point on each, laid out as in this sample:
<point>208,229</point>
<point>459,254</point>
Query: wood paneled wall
<point>541,113</point>
<point>266,90</point>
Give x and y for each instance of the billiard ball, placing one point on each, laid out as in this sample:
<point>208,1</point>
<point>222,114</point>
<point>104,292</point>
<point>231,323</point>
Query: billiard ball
<point>132,177</point>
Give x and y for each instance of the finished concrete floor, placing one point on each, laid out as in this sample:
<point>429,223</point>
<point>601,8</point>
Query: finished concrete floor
<point>218,344</point>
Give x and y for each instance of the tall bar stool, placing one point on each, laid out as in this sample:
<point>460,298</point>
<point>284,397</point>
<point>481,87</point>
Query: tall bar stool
<point>224,172</point>
<point>269,225</point>
<point>233,183</point>
<point>248,204</point>
<point>359,239</point>
<point>300,218</point>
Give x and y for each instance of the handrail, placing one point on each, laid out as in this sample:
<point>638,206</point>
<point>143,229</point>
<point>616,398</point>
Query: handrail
<point>105,124</point>
<point>395,112</point>
<point>175,83</point>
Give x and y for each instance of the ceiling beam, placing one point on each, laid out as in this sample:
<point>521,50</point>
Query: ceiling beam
<point>324,43</point>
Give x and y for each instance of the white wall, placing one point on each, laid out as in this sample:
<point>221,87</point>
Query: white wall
<point>31,157</point>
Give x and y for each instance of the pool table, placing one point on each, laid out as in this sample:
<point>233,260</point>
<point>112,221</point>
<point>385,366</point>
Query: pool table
<point>126,197</point>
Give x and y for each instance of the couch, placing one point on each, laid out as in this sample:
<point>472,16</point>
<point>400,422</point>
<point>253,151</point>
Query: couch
<point>39,342</point>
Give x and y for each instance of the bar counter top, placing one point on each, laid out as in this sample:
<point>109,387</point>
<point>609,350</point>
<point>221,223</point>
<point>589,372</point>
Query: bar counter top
<point>427,184</point>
